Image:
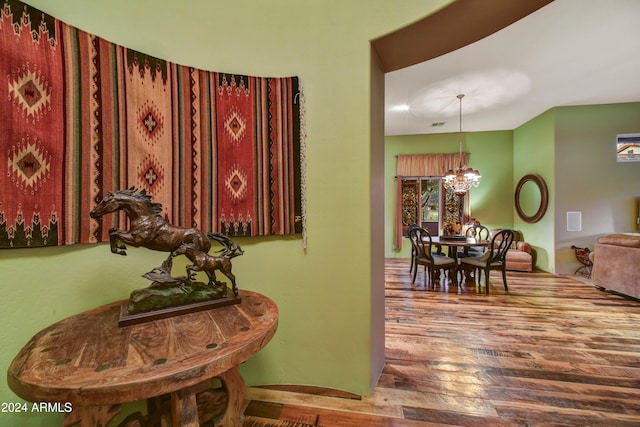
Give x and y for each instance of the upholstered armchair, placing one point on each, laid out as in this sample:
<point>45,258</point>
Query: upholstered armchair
<point>519,256</point>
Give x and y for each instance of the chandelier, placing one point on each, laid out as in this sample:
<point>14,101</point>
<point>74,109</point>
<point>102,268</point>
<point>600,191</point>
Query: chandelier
<point>462,178</point>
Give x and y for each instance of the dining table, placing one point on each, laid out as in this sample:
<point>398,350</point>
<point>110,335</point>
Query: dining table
<point>456,242</point>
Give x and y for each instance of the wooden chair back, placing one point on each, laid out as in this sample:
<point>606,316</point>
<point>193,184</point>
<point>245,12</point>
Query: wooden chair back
<point>479,232</point>
<point>500,244</point>
<point>422,243</point>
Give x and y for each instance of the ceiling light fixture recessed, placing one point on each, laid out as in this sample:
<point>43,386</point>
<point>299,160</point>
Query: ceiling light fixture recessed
<point>403,107</point>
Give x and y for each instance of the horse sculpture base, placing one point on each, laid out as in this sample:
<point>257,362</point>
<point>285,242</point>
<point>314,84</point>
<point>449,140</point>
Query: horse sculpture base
<point>128,319</point>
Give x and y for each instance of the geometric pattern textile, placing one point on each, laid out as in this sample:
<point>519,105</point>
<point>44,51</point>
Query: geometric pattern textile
<point>81,117</point>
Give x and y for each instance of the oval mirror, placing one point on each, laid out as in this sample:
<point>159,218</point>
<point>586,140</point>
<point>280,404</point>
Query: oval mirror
<point>531,198</point>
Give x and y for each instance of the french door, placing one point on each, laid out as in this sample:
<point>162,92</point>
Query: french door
<point>427,203</point>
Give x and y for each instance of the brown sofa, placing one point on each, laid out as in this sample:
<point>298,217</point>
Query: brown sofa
<point>616,263</point>
<point>519,255</point>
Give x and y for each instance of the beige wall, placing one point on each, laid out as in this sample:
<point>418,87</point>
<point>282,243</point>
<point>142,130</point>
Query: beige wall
<point>588,178</point>
<point>573,149</point>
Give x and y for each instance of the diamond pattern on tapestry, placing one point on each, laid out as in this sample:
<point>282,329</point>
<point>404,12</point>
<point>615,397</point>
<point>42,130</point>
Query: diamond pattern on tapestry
<point>235,125</point>
<point>149,133</point>
<point>236,183</point>
<point>151,175</point>
<point>150,122</point>
<point>32,121</point>
<point>29,165</point>
<point>29,92</point>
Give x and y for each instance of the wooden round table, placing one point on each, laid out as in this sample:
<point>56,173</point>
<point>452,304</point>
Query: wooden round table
<point>89,363</point>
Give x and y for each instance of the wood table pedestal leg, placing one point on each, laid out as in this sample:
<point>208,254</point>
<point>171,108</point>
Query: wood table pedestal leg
<point>236,390</point>
<point>184,409</point>
<point>91,416</point>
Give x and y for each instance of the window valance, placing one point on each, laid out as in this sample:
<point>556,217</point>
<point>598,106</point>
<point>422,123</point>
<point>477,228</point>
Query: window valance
<point>428,164</point>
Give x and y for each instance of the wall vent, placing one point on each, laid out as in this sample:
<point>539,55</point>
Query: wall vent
<point>574,221</point>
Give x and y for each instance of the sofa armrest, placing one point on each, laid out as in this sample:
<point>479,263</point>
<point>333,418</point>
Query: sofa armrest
<point>524,247</point>
<point>630,240</point>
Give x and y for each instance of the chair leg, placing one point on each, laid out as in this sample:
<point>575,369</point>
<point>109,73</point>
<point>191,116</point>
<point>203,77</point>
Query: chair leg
<point>415,271</point>
<point>427,276</point>
<point>465,273</point>
<point>504,278</point>
<point>486,279</point>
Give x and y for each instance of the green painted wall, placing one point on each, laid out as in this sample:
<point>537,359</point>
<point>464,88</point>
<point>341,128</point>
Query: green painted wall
<point>490,152</point>
<point>326,334</point>
<point>533,153</point>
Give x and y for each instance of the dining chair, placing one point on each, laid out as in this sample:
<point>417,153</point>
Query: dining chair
<point>422,244</point>
<point>479,232</point>
<point>413,250</point>
<point>492,259</point>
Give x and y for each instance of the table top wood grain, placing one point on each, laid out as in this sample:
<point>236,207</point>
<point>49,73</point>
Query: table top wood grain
<point>87,359</point>
<point>469,241</point>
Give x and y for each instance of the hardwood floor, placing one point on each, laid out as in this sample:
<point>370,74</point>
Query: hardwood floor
<point>552,351</point>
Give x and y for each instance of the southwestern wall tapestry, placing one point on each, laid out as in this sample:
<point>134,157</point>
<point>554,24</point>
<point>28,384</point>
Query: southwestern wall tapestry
<point>81,117</point>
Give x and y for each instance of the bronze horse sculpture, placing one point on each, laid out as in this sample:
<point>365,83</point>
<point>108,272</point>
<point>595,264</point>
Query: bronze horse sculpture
<point>147,228</point>
<point>208,264</point>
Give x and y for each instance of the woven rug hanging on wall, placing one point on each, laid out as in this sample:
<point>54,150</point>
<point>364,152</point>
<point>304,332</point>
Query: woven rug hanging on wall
<point>81,117</point>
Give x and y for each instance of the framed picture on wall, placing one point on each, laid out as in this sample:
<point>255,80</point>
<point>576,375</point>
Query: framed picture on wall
<point>628,147</point>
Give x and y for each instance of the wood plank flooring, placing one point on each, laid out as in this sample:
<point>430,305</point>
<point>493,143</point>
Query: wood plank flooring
<point>551,351</point>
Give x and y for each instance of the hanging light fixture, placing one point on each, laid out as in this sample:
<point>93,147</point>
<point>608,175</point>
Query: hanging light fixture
<point>462,178</point>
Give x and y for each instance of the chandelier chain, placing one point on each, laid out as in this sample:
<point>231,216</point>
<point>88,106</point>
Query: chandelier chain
<point>462,178</point>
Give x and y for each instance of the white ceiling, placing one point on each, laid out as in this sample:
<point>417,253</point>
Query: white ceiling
<point>570,52</point>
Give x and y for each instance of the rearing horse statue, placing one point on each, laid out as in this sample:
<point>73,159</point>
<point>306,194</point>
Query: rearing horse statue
<point>147,227</point>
